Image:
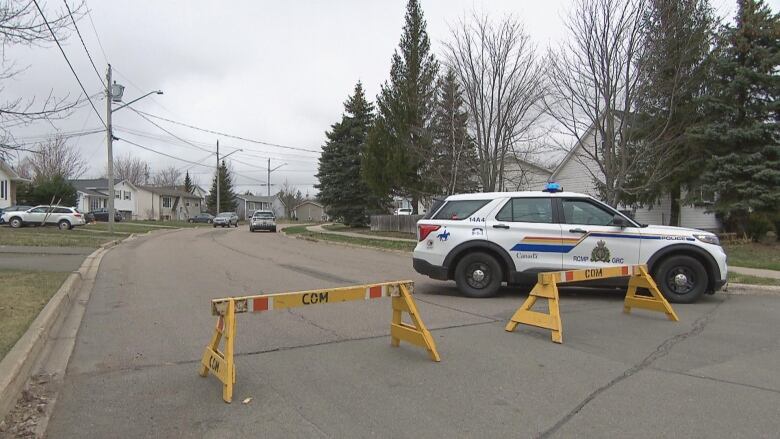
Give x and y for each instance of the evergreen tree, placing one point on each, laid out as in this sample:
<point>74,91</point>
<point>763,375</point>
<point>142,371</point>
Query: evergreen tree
<point>226,194</point>
<point>188,186</point>
<point>54,189</point>
<point>678,41</point>
<point>742,115</point>
<point>342,189</point>
<point>398,148</point>
<point>454,154</point>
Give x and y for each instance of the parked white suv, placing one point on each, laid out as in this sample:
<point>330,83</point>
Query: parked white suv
<point>481,240</point>
<point>64,217</point>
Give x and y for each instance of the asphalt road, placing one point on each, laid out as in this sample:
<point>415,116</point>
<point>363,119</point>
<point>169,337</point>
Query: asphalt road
<point>329,371</point>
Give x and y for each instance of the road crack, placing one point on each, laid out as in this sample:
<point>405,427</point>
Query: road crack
<point>661,351</point>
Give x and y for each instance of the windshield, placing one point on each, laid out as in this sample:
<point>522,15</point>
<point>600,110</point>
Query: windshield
<point>263,215</point>
<point>224,214</point>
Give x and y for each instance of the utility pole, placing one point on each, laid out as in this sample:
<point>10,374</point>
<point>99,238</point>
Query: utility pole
<point>110,146</point>
<point>216,210</point>
<point>269,180</point>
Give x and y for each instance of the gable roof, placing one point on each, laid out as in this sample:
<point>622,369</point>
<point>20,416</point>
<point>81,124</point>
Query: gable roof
<point>12,175</point>
<point>571,153</point>
<point>256,198</point>
<point>169,191</point>
<point>309,202</point>
<point>90,184</point>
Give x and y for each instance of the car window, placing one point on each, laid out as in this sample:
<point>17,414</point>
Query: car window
<point>39,210</point>
<point>585,212</point>
<point>62,210</point>
<point>460,209</point>
<point>437,202</point>
<point>526,210</point>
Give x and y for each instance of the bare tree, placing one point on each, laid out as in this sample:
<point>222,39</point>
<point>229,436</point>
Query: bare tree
<point>170,176</point>
<point>503,83</point>
<point>54,158</point>
<point>22,25</point>
<point>290,196</point>
<point>595,84</point>
<point>132,169</point>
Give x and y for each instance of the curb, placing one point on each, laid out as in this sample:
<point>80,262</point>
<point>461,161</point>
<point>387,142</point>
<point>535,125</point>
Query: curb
<point>17,365</point>
<point>352,235</point>
<point>346,244</point>
<point>748,289</point>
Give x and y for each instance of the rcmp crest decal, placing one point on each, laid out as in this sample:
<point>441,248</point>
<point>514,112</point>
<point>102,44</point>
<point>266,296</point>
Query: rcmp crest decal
<point>600,252</point>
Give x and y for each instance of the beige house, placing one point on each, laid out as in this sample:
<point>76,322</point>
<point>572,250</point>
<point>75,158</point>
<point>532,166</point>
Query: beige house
<point>9,180</point>
<point>310,211</point>
<point>167,203</point>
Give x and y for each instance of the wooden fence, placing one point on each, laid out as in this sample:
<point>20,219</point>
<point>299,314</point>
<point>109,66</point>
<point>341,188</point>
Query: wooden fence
<point>394,223</point>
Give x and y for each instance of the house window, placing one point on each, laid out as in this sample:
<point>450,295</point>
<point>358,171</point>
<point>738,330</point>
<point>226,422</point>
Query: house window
<point>166,201</point>
<point>3,190</point>
<point>118,195</point>
<point>187,204</point>
<point>127,195</point>
<point>197,204</point>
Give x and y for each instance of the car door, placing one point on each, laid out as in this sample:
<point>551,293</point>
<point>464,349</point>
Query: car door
<point>587,225</point>
<point>36,215</point>
<point>525,227</point>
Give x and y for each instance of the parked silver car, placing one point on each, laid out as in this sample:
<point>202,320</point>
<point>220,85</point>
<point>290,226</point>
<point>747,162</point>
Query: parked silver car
<point>64,217</point>
<point>226,219</point>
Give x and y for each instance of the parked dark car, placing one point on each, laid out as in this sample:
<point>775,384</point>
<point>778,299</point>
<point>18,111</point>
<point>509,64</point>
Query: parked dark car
<point>202,218</point>
<point>12,209</point>
<point>102,215</point>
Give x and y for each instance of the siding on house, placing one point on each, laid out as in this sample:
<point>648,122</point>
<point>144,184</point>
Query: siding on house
<point>310,211</point>
<point>521,175</point>
<point>577,171</point>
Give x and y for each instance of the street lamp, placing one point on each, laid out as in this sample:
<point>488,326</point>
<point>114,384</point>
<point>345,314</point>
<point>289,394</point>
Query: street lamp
<point>268,182</point>
<point>114,93</point>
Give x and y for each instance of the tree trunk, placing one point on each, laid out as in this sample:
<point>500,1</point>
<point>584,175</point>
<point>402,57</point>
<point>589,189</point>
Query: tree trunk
<point>674,196</point>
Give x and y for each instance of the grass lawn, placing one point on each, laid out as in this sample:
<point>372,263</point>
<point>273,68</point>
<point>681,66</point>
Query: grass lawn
<point>752,280</point>
<point>368,232</point>
<point>368,242</point>
<point>53,237</point>
<point>754,255</point>
<point>22,296</point>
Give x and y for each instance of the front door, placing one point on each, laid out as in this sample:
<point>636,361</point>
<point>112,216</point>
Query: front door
<point>525,228</point>
<point>596,242</point>
<point>36,215</point>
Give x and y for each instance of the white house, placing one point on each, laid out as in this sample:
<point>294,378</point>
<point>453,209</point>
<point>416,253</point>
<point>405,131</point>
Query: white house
<point>9,180</point>
<point>522,175</point>
<point>578,171</point>
<point>167,203</point>
<point>92,194</point>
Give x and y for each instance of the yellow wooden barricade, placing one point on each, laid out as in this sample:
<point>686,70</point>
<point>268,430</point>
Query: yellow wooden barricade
<point>547,288</point>
<point>222,365</point>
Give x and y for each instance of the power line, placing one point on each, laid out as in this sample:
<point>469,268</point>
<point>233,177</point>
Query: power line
<point>82,42</point>
<point>165,154</point>
<point>89,14</point>
<point>232,135</point>
<point>54,36</point>
<point>168,132</point>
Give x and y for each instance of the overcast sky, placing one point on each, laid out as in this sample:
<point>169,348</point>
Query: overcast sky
<point>274,71</point>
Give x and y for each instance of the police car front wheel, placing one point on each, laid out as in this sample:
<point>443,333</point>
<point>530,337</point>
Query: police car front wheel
<point>478,275</point>
<point>681,279</point>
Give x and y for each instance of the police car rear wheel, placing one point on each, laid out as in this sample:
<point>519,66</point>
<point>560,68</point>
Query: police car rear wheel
<point>681,279</point>
<point>478,275</point>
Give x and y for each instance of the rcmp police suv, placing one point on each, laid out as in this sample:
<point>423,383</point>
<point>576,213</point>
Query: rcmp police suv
<point>481,240</point>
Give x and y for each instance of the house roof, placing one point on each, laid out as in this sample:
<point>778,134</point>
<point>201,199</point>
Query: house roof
<point>90,183</point>
<point>571,153</point>
<point>256,198</point>
<point>12,175</point>
<point>93,193</point>
<point>309,202</point>
<point>169,191</point>
<point>535,166</point>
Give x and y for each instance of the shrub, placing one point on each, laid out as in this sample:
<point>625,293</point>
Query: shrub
<point>758,225</point>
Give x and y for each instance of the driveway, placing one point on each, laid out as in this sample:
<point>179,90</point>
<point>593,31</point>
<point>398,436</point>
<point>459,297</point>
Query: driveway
<point>329,371</point>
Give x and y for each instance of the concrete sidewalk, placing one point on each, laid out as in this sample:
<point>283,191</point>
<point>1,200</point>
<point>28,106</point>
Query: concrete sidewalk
<point>14,257</point>
<point>320,229</point>
<point>772,274</point>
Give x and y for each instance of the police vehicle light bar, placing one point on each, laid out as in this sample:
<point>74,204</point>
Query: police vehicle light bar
<point>553,187</point>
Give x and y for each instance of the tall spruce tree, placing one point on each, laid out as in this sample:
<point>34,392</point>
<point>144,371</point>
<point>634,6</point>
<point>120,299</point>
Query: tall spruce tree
<point>454,154</point>
<point>342,188</point>
<point>398,151</point>
<point>226,194</point>
<point>678,34</point>
<point>742,117</point>
<point>188,186</point>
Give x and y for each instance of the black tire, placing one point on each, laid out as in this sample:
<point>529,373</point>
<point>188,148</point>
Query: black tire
<point>468,271</point>
<point>190,221</point>
<point>15,222</point>
<point>685,289</point>
<point>64,225</point>
<point>252,230</point>
<point>274,230</point>
<point>215,226</point>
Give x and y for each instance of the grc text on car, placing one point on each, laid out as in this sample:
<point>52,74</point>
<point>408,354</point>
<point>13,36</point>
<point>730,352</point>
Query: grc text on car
<point>484,239</point>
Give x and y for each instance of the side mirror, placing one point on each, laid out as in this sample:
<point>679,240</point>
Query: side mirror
<point>618,221</point>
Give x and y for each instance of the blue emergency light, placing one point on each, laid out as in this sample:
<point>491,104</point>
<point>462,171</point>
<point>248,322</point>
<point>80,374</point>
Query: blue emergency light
<point>553,187</point>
